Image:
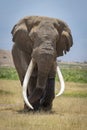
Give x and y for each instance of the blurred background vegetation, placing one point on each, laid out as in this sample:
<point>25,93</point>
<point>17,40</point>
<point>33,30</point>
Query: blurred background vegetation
<point>71,72</point>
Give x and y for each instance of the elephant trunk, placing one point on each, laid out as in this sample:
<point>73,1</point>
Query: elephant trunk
<point>25,83</point>
<point>27,77</point>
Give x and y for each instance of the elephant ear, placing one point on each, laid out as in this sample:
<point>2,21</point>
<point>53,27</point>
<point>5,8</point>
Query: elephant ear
<point>21,32</point>
<point>24,26</point>
<point>65,41</point>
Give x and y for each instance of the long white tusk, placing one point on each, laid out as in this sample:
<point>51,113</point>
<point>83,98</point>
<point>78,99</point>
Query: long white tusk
<point>61,82</point>
<point>25,83</point>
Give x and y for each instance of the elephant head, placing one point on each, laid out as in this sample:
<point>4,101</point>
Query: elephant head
<point>44,39</point>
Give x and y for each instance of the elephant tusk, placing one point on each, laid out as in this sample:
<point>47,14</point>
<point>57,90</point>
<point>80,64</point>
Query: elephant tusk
<point>61,82</point>
<point>25,83</point>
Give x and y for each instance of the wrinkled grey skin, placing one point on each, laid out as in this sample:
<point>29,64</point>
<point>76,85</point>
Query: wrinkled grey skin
<point>40,38</point>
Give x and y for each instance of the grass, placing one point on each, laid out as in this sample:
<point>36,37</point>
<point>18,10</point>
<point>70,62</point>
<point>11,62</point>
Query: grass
<point>78,94</point>
<point>74,72</point>
<point>71,73</point>
<point>69,110</point>
<point>75,75</point>
<point>8,73</point>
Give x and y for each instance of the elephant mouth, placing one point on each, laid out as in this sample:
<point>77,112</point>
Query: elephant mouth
<point>27,78</point>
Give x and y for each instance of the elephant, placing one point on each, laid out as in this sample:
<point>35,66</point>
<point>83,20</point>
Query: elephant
<point>38,41</point>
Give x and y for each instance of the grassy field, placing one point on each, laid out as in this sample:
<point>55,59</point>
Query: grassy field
<point>71,72</point>
<point>69,110</point>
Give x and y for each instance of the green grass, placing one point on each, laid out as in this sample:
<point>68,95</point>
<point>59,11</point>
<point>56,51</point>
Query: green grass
<point>76,94</point>
<point>75,75</point>
<point>8,73</point>
<point>71,73</point>
<point>75,72</point>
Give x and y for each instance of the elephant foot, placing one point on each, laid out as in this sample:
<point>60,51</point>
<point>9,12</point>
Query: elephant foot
<point>49,94</point>
<point>46,107</point>
<point>27,109</point>
<point>38,107</point>
<point>35,97</point>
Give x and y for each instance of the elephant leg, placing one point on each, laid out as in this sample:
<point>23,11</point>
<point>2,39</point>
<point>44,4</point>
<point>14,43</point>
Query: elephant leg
<point>49,94</point>
<point>43,74</point>
<point>37,93</point>
<point>46,101</point>
<point>32,88</point>
<point>21,63</point>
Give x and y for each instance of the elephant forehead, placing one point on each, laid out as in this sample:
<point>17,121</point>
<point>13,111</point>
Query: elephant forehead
<point>44,28</point>
<point>43,32</point>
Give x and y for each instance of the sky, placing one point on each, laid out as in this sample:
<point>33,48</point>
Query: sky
<point>73,12</point>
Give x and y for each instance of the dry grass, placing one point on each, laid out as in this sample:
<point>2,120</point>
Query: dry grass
<point>69,111</point>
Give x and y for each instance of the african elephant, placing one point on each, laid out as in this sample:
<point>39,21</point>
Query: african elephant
<point>38,41</point>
